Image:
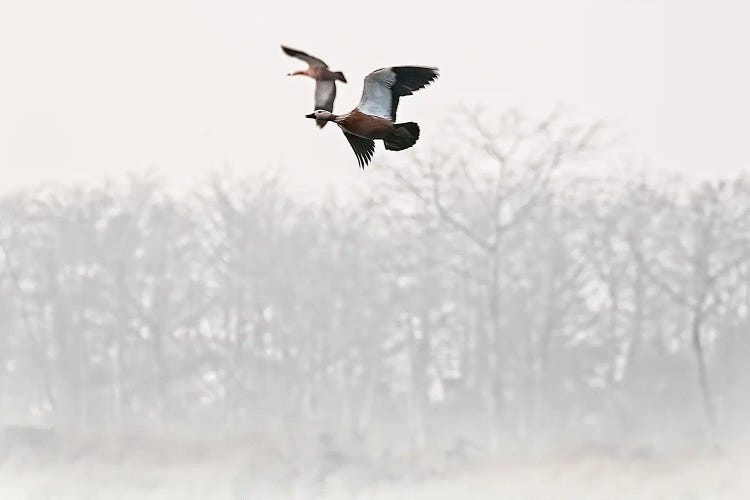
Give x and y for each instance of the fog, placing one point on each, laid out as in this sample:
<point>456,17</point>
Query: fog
<point>483,317</point>
<point>202,296</point>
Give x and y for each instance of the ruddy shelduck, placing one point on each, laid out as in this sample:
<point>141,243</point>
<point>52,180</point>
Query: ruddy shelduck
<point>325,79</point>
<point>375,115</point>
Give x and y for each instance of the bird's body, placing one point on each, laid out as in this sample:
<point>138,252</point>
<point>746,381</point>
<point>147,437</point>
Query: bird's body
<point>325,79</point>
<point>375,116</point>
<point>364,125</point>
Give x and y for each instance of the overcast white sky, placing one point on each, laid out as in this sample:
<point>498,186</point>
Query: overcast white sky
<point>92,87</point>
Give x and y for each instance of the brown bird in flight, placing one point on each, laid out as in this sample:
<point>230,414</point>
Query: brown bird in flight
<point>375,115</point>
<point>325,79</point>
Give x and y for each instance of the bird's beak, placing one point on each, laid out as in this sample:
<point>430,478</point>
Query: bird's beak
<point>311,115</point>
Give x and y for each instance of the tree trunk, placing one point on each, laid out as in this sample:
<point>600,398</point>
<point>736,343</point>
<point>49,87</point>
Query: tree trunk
<point>160,373</point>
<point>705,387</point>
<point>494,384</point>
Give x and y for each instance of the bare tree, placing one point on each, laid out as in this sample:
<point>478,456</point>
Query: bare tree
<point>695,246</point>
<point>481,195</point>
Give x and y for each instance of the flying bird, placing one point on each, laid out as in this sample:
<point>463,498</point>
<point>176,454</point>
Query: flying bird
<point>375,115</point>
<point>325,79</point>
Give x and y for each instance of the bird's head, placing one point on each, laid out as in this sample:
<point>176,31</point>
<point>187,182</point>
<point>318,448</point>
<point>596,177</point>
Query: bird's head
<point>321,114</point>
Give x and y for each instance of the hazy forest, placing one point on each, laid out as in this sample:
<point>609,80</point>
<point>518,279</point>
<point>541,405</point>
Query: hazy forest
<point>483,299</point>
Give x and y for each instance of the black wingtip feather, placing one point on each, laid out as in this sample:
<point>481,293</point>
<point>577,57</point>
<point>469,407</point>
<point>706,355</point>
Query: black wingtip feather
<point>409,79</point>
<point>363,149</point>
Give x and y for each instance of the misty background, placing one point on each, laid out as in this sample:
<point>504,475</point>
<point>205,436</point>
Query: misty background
<point>202,296</point>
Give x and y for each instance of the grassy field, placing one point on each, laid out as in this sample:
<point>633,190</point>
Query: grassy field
<point>249,467</point>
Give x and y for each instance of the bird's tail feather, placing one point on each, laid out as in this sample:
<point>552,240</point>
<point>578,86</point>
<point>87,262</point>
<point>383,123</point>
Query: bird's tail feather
<point>404,136</point>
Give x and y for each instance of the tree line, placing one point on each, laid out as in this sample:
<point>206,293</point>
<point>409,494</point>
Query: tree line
<point>482,291</point>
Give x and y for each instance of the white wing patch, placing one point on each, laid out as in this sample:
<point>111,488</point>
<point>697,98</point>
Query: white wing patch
<point>376,96</point>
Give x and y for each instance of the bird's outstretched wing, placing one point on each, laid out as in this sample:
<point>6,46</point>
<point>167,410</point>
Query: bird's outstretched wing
<point>325,94</point>
<point>383,87</point>
<point>304,56</point>
<point>363,148</point>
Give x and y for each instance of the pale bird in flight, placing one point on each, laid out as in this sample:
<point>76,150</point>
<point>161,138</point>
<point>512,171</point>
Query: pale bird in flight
<point>325,79</point>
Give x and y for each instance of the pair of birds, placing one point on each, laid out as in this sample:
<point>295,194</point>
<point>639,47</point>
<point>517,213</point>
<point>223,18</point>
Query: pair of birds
<point>374,118</point>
